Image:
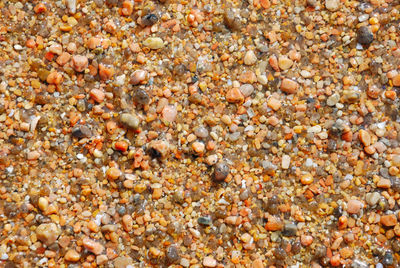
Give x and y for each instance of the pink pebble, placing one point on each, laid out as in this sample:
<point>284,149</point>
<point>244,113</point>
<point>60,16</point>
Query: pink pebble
<point>169,113</point>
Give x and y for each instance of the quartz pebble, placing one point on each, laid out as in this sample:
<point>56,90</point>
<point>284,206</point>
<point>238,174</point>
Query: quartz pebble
<point>209,262</point>
<point>250,58</point>
<point>130,120</point>
<point>153,43</point>
<point>332,5</point>
<point>48,233</point>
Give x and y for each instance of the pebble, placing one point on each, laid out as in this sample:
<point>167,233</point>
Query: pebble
<point>72,256</point>
<point>123,262</point>
<point>387,259</point>
<point>372,198</point>
<point>113,173</point>
<point>333,99</point>
<point>138,77</point>
<point>285,161</point>
<point>172,254</point>
<point>130,120</point>
<point>127,222</point>
<point>365,137</point>
<point>332,5</point>
<point>396,80</point>
<point>204,221</point>
<point>274,104</point>
<point>290,229</point>
<point>246,89</point>
<point>97,95</point>
<point>307,179</point>
<point>201,132</point>
<point>48,233</point>
<point>221,171</point>
<point>354,206</point>
<point>71,5</point>
<point>234,95</point>
<point>209,262</point>
<point>149,19</point>
<point>198,147</point>
<point>364,36</point>
<point>250,58</point>
<point>153,43</point>
<point>169,113</point>
<point>289,86</point>
<point>92,246</point>
<point>389,220</point>
<point>81,132</point>
<point>211,159</point>
<point>43,203</point>
<point>79,63</point>
<point>284,63</point>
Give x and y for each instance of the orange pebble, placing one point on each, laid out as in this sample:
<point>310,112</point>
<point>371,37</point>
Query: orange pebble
<point>40,8</point>
<point>121,146</point>
<point>127,8</point>
<point>31,43</point>
<point>111,126</point>
<point>335,260</point>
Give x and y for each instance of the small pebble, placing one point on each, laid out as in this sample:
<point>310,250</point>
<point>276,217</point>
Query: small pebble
<point>250,58</point>
<point>221,171</point>
<point>153,43</point>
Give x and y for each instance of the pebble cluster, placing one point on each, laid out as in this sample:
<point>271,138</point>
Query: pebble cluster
<point>199,133</point>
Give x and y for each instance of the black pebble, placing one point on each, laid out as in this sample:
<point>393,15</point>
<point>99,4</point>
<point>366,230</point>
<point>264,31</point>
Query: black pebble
<point>364,36</point>
<point>150,19</point>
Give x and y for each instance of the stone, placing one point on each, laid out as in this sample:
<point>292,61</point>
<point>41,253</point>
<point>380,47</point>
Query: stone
<point>274,104</point>
<point>250,58</point>
<point>333,99</point>
<point>72,256</point>
<point>389,220</point>
<point>246,89</point>
<point>290,229</point>
<point>285,161</point>
<point>169,113</point>
<point>284,63</point>
<point>129,120</point>
<point>365,137</point>
<point>154,43</point>
<point>93,246</point>
<point>396,80</point>
<point>372,198</point>
<point>221,171</point>
<point>364,36</point>
<point>123,262</point>
<point>204,221</point>
<point>47,233</point>
<point>289,86</point>
<point>234,95</point>
<point>81,132</point>
<point>332,5</point>
<point>172,254</point>
<point>209,262</point>
<point>354,206</point>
